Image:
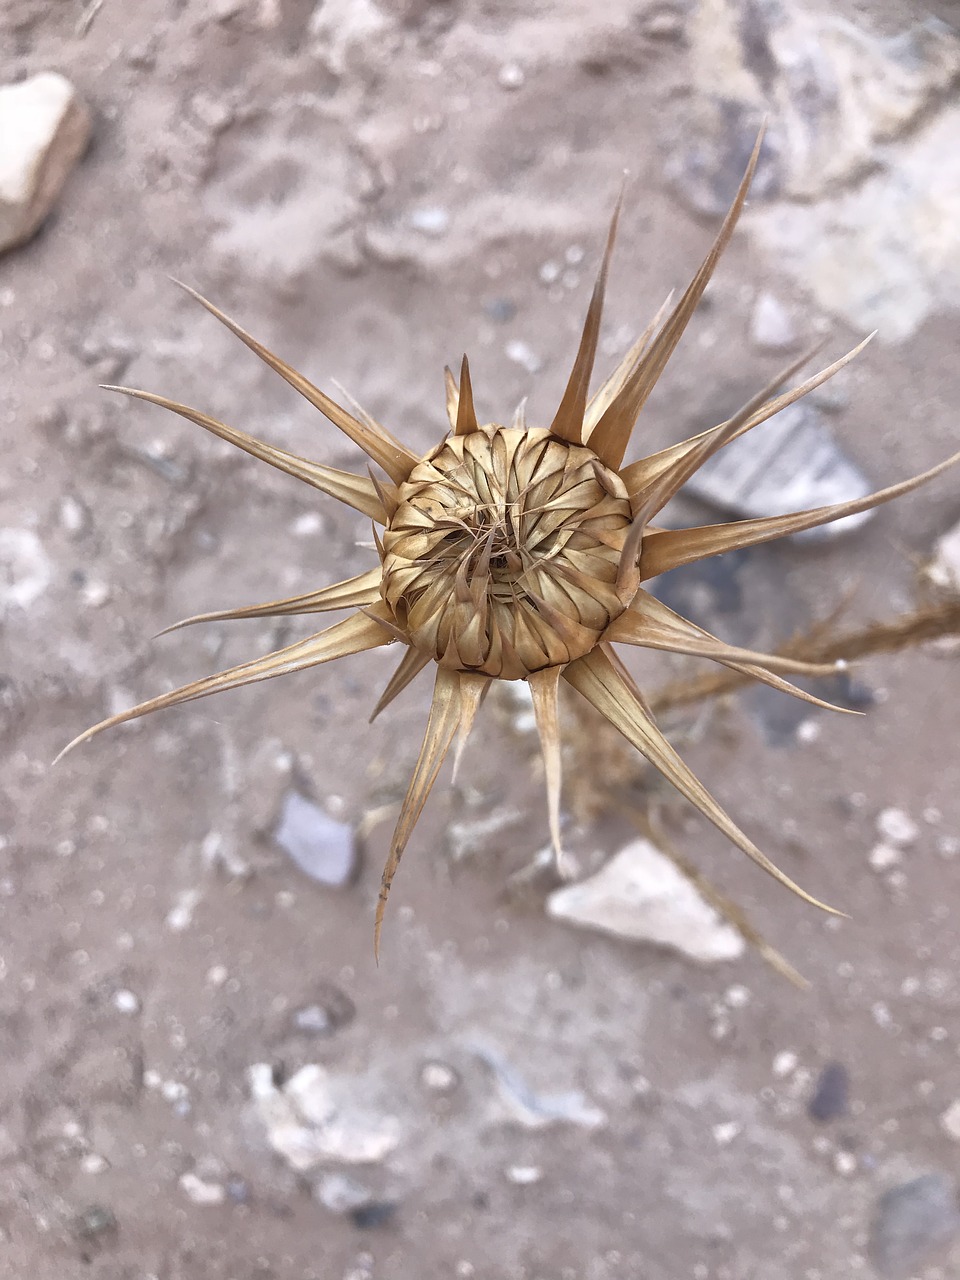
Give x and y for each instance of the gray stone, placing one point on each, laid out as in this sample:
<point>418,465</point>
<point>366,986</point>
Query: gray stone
<point>323,848</point>
<point>642,897</point>
<point>44,130</point>
<point>911,1221</point>
<point>787,464</point>
<point>831,1097</point>
<point>331,1010</point>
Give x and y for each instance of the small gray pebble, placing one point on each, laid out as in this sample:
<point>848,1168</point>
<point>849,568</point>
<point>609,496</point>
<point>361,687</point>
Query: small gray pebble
<point>831,1098</point>
<point>911,1221</point>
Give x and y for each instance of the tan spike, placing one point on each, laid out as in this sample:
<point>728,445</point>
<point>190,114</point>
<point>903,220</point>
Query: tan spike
<point>453,396</point>
<point>473,690</point>
<point>441,726</point>
<point>544,689</point>
<point>349,594</point>
<point>353,635</point>
<point>411,664</point>
<point>353,491</point>
<point>376,442</point>
<point>595,678</point>
<point>601,400</point>
<point>612,433</point>
<point>466,413</point>
<point>568,423</point>
<point>669,548</point>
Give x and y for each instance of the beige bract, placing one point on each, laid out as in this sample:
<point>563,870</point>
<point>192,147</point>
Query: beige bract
<point>519,553</point>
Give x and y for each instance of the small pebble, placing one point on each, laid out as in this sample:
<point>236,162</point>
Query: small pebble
<point>94,1164</point>
<point>950,1120</point>
<point>845,1163</point>
<point>510,76</point>
<point>911,1221</point>
<point>438,1077</point>
<point>724,1134</point>
<point>431,221</point>
<point>520,353</point>
<point>897,827</point>
<point>785,1063</point>
<point>831,1097</point>
<point>376,1214</point>
<point>332,1010</point>
<point>524,1175</point>
<point>771,325</point>
<point>200,1192</point>
<point>884,856</point>
<point>324,849</point>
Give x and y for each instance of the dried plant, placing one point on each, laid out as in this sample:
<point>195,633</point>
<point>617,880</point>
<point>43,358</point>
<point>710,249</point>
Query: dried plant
<point>516,552</point>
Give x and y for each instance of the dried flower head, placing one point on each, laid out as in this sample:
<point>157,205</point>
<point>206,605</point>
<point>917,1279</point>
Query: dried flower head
<point>518,553</point>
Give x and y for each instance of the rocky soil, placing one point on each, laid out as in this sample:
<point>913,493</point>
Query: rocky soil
<point>205,1075</point>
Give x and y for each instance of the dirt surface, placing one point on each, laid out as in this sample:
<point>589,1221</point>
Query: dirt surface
<point>371,200</point>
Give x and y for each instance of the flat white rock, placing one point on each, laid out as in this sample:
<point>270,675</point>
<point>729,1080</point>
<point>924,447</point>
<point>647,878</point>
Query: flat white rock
<point>44,130</point>
<point>641,896</point>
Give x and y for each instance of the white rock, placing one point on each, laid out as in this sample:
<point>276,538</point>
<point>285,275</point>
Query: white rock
<point>340,1193</point>
<point>950,1120</point>
<point>944,571</point>
<point>322,847</point>
<point>897,827</point>
<point>125,1001</point>
<point>523,1175</point>
<point>312,1119</point>
<point>25,569</point>
<point>771,325</point>
<point>200,1192</point>
<point>785,1063</point>
<point>724,1134</point>
<point>44,130</point>
<point>883,856</point>
<point>523,354</point>
<point>641,896</point>
<point>431,221</point>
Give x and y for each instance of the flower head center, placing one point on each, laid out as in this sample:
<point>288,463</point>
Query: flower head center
<point>503,552</point>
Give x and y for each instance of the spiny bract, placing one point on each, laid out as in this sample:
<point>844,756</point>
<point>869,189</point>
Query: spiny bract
<point>518,553</point>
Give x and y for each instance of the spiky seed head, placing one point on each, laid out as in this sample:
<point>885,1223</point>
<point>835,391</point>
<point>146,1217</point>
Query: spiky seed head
<point>516,552</point>
<point>502,555</point>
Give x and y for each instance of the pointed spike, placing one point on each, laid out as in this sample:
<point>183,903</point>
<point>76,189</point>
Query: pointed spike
<point>609,391</point>
<point>544,688</point>
<point>672,480</point>
<point>411,664</point>
<point>595,678</point>
<point>473,690</point>
<point>466,413</point>
<point>352,490</point>
<point>520,415</point>
<point>353,635</point>
<point>453,396</point>
<point>616,425</point>
<point>353,592</point>
<point>441,726</point>
<point>387,493</point>
<point>568,423</point>
<point>376,442</point>
<point>669,548</point>
<point>638,476</point>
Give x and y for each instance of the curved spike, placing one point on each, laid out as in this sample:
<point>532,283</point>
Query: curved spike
<point>608,392</point>
<point>615,427</point>
<point>639,475</point>
<point>353,635</point>
<point>473,690</point>
<point>453,396</point>
<point>376,442</point>
<point>466,413</point>
<point>670,548</point>
<point>568,422</point>
<point>441,726</point>
<point>349,594</point>
<point>595,678</point>
<point>353,491</point>
<point>544,688</point>
<point>411,664</point>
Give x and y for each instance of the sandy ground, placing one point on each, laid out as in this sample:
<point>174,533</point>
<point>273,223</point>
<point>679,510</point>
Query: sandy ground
<point>372,202</point>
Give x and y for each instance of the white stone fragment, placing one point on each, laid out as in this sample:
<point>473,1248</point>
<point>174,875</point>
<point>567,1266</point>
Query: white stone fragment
<point>312,1120</point>
<point>771,325</point>
<point>200,1192</point>
<point>641,896</point>
<point>897,827</point>
<point>44,130</point>
<point>125,1001</point>
<point>785,1063</point>
<point>524,355</point>
<point>523,1175</point>
<point>724,1134</point>
<point>883,856</point>
<point>944,571</point>
<point>950,1120</point>
<point>25,569</point>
